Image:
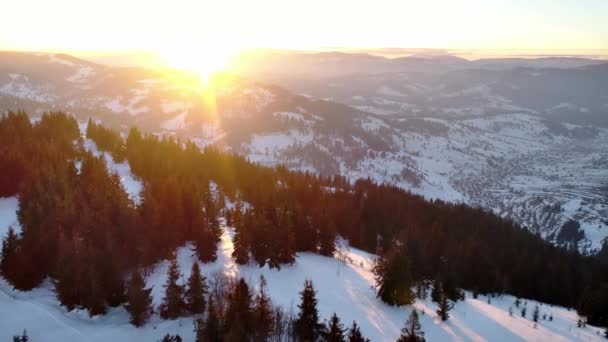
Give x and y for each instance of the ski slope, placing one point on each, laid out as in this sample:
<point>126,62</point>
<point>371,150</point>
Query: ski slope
<point>344,286</point>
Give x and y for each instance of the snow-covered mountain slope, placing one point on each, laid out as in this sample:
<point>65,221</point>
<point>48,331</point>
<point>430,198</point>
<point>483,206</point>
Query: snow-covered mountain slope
<point>522,159</point>
<point>343,285</point>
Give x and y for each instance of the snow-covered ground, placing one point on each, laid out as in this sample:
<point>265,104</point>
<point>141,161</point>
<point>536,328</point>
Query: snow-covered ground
<point>132,185</point>
<point>8,214</point>
<point>345,287</point>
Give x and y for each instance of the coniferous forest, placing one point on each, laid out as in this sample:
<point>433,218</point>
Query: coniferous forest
<point>81,229</point>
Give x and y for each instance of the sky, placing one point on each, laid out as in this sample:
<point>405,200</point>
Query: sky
<point>184,26</point>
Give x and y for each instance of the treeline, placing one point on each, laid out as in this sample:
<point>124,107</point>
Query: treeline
<point>275,212</point>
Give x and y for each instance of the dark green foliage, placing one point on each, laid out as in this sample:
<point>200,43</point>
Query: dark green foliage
<point>239,314</point>
<point>209,329</point>
<point>289,212</point>
<point>21,338</point>
<point>393,278</point>
<point>593,304</point>
<point>412,332</point>
<point>139,300</point>
<point>535,313</point>
<point>8,261</point>
<point>196,291</point>
<point>443,304</point>
<point>263,320</point>
<point>334,330</point>
<point>307,326</point>
<point>171,338</point>
<point>173,305</point>
<point>354,334</point>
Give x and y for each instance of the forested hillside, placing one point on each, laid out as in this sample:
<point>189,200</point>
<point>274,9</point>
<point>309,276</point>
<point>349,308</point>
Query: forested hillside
<point>79,226</point>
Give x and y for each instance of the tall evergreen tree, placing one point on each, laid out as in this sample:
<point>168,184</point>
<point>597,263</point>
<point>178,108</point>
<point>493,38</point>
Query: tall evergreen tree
<point>444,305</point>
<point>173,304</point>
<point>327,239</point>
<point>210,328</point>
<point>535,313</point>
<point>263,320</point>
<point>354,334</point>
<point>334,330</point>
<point>307,326</point>
<point>238,319</point>
<point>393,278</point>
<point>196,291</point>
<point>412,332</point>
<point>8,255</point>
<point>241,244</point>
<point>139,300</point>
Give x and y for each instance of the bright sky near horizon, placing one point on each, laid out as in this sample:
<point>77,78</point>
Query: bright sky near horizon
<point>229,25</point>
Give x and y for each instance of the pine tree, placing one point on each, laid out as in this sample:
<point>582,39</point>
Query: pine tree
<point>9,249</point>
<point>354,334</point>
<point>139,300</point>
<point>205,244</point>
<point>210,329</point>
<point>241,245</point>
<point>412,332</point>
<point>334,330</point>
<point>238,319</point>
<point>511,311</point>
<point>327,240</point>
<point>444,305</point>
<point>436,291</point>
<point>393,278</point>
<point>535,313</point>
<point>262,313</point>
<point>93,298</point>
<point>523,311</point>
<point>307,326</point>
<point>173,304</point>
<point>196,291</point>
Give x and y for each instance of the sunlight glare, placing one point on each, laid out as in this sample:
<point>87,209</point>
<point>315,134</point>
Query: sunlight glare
<point>205,60</point>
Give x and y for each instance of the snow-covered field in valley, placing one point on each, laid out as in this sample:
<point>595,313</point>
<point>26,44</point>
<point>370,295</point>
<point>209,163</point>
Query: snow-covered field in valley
<point>345,287</point>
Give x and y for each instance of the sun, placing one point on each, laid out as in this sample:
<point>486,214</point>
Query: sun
<point>205,60</point>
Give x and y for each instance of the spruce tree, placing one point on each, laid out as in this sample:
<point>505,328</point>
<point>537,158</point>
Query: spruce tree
<point>139,300</point>
<point>93,297</point>
<point>307,326</point>
<point>173,304</point>
<point>263,320</point>
<point>9,249</point>
<point>334,330</point>
<point>354,334</point>
<point>238,319</point>
<point>444,305</point>
<point>209,329</point>
<point>241,245</point>
<point>196,291</point>
<point>535,313</point>
<point>393,278</point>
<point>327,240</point>
<point>412,332</point>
